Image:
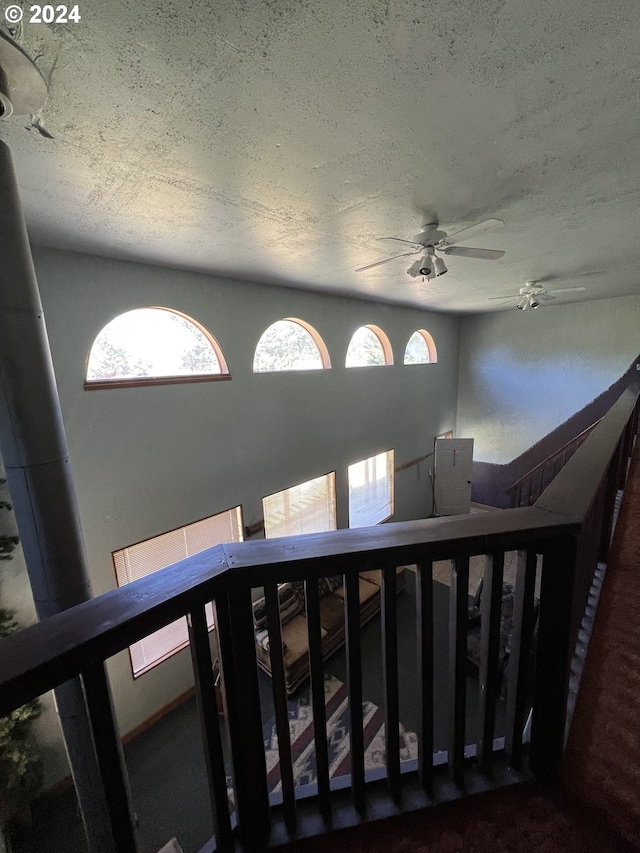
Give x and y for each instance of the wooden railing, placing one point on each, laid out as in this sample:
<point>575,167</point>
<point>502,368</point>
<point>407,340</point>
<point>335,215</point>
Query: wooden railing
<point>566,532</point>
<point>527,490</point>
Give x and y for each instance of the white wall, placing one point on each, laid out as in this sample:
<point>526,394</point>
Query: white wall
<point>522,374</point>
<point>149,459</point>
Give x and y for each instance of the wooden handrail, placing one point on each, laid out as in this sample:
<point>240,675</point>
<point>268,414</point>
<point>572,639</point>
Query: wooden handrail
<point>569,526</point>
<point>573,489</point>
<point>573,442</point>
<point>41,656</point>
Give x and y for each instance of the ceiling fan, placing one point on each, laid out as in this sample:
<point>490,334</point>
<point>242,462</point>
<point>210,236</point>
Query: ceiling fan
<point>532,295</point>
<point>430,240</point>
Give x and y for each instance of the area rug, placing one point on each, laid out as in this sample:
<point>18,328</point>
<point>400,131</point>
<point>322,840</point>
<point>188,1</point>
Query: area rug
<point>337,712</point>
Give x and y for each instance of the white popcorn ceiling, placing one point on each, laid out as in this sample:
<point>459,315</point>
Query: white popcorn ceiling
<point>274,140</point>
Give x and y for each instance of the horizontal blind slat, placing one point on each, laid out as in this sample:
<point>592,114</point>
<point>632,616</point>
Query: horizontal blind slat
<point>144,558</point>
<point>306,508</point>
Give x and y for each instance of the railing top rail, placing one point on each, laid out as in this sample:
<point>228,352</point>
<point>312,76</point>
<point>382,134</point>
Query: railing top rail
<point>48,653</point>
<point>571,492</point>
<point>403,541</point>
<point>41,656</point>
<point>551,457</point>
<point>44,655</point>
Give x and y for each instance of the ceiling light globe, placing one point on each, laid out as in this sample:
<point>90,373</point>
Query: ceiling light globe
<point>439,266</point>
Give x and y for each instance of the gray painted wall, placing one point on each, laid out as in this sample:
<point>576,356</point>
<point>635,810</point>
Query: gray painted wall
<point>522,374</point>
<point>146,460</point>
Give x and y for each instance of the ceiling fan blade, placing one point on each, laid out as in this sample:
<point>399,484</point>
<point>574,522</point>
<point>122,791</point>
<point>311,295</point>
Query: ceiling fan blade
<point>466,252</point>
<point>400,240</point>
<point>543,297</point>
<point>567,289</point>
<point>514,296</point>
<point>385,261</point>
<point>468,233</point>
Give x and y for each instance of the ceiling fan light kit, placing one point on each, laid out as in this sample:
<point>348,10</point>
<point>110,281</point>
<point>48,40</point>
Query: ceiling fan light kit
<point>532,295</point>
<point>430,239</point>
<point>528,301</point>
<point>439,266</point>
<point>23,90</point>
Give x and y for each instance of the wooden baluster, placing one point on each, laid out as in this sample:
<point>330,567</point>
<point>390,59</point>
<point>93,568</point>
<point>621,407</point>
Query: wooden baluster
<point>489,676</point>
<point>317,697</point>
<point>519,664</point>
<point>458,612</point>
<point>354,686</point>
<point>424,638</point>
<point>110,757</point>
<point>210,727</point>
<point>236,640</point>
<point>390,676</point>
<point>274,628</point>
<point>552,661</point>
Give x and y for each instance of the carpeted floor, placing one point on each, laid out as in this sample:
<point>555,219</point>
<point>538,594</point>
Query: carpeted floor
<point>602,765</point>
<point>302,738</point>
<point>516,820</point>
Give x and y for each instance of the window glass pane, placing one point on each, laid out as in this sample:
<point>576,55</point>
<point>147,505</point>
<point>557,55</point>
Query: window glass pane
<point>286,345</point>
<point>417,351</point>
<point>371,490</point>
<point>365,349</point>
<point>146,557</point>
<point>151,342</point>
<point>307,508</point>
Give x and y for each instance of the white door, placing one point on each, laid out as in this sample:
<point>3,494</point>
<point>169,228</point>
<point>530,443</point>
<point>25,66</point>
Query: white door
<point>452,475</point>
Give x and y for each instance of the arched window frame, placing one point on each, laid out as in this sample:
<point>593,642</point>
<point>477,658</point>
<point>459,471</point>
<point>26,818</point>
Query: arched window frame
<point>139,381</point>
<point>315,336</point>
<point>431,348</point>
<point>385,343</point>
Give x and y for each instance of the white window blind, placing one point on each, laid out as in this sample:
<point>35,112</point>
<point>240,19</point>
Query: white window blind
<point>371,490</point>
<point>138,561</point>
<point>307,508</point>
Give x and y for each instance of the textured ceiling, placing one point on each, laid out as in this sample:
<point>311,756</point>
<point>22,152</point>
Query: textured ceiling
<point>275,140</point>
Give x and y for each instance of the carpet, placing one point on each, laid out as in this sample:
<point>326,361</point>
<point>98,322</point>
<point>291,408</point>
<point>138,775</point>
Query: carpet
<point>602,760</point>
<point>337,711</point>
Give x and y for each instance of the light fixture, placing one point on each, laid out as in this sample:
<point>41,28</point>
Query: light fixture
<point>23,90</point>
<point>429,267</point>
<point>439,266</point>
<point>426,265</point>
<point>421,267</point>
<point>414,269</point>
<point>527,301</point>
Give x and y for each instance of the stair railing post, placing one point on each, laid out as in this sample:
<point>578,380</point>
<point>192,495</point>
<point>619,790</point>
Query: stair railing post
<point>553,657</point>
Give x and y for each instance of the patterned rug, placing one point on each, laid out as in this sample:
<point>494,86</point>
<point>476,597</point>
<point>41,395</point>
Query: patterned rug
<point>337,711</point>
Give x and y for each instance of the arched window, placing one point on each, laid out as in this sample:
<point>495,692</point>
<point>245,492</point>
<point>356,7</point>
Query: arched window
<point>153,346</point>
<point>421,349</point>
<point>290,344</point>
<point>369,347</point>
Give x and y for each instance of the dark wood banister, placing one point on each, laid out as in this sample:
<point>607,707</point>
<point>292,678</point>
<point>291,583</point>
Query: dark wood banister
<point>47,653</point>
<point>569,525</point>
<point>516,488</point>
